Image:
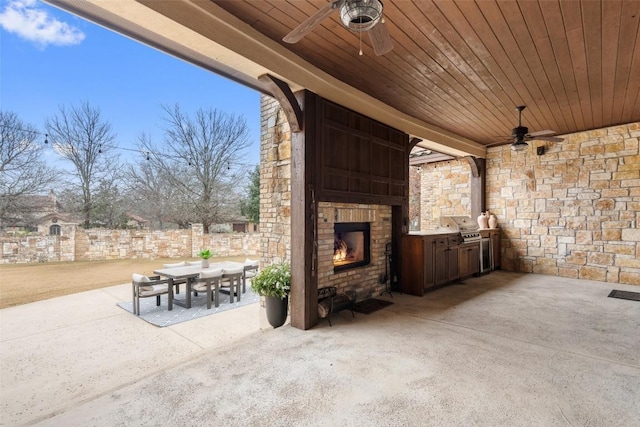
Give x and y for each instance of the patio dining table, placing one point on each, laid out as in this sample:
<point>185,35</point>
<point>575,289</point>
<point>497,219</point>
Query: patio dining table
<point>190,273</point>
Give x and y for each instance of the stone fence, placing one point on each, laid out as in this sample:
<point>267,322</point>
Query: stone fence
<point>77,244</point>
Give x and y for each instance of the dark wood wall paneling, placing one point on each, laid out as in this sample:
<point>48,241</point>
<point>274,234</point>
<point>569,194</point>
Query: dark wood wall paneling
<point>359,159</point>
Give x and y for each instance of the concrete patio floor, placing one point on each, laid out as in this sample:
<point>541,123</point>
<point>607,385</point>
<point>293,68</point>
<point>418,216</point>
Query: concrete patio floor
<point>501,349</point>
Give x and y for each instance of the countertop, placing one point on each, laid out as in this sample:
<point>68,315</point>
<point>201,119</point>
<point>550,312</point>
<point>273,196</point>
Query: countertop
<point>442,231</point>
<point>434,232</point>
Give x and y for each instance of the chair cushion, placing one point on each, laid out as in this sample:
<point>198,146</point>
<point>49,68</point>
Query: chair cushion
<point>232,271</point>
<point>174,265</point>
<point>140,278</point>
<point>147,291</point>
<point>194,263</point>
<point>208,274</point>
<point>201,285</point>
<point>251,262</point>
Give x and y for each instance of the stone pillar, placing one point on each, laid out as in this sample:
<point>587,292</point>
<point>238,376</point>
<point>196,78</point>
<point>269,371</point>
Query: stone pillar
<point>275,184</point>
<point>67,251</point>
<point>197,235</point>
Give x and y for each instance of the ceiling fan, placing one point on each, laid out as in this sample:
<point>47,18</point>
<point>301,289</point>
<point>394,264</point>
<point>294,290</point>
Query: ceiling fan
<point>357,15</point>
<point>520,134</point>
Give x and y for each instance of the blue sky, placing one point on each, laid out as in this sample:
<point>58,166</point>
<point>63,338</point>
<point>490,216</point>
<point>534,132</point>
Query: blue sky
<point>51,58</point>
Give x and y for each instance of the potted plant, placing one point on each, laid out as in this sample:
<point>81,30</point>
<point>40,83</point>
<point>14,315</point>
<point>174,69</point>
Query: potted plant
<point>274,284</point>
<point>205,254</point>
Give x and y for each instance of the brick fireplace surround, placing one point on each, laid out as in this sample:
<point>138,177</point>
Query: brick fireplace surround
<point>364,280</point>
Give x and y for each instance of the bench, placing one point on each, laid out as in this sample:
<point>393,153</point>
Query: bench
<point>330,302</point>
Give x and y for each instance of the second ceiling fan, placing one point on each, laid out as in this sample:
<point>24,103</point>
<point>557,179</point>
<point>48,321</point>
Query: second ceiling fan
<point>356,15</point>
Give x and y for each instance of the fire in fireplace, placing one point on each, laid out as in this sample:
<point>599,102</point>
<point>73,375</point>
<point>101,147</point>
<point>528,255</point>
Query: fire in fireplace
<point>351,247</point>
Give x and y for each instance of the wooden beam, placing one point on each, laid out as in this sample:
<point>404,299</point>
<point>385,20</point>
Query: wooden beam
<point>473,164</point>
<point>283,94</point>
<point>413,142</point>
<point>304,214</point>
<point>478,185</point>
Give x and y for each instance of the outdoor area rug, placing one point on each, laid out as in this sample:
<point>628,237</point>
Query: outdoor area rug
<point>160,316</point>
<point>633,296</point>
<point>370,305</point>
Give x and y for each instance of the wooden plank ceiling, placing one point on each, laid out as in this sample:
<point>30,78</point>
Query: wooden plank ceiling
<point>464,66</point>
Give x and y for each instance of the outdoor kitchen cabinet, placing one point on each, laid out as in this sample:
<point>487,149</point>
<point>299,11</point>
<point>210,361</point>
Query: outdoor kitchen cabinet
<point>469,259</point>
<point>416,273</point>
<point>495,238</point>
<point>446,260</point>
<point>428,260</point>
<point>495,247</point>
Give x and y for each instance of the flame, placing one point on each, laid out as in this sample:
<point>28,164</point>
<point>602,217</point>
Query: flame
<point>339,255</point>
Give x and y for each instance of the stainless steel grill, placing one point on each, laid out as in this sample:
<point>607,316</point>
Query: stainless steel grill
<point>464,225</point>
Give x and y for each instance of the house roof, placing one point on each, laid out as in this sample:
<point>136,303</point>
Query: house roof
<point>456,73</point>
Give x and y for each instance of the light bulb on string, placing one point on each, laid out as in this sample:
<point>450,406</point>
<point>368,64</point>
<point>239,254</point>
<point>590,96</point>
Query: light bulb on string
<point>46,138</point>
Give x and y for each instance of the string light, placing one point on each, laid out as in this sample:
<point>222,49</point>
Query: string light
<point>145,153</point>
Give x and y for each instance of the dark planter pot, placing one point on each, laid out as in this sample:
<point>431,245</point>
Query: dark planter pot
<point>276,310</point>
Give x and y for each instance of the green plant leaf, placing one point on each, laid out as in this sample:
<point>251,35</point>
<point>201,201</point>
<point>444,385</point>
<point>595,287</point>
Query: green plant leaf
<point>273,281</point>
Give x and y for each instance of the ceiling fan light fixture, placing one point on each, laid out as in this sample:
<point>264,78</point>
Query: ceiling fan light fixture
<point>519,146</point>
<point>361,15</point>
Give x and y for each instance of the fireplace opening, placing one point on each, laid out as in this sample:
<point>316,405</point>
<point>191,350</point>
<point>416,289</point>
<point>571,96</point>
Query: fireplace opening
<point>351,245</point>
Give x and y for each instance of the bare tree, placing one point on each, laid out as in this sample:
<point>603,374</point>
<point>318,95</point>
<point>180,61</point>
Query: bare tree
<point>82,138</point>
<point>198,156</point>
<point>153,194</point>
<point>22,170</point>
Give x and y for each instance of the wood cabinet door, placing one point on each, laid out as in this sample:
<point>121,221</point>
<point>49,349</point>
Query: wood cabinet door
<point>469,260</point>
<point>412,266</point>
<point>441,272</point>
<point>453,263</point>
<point>495,249</point>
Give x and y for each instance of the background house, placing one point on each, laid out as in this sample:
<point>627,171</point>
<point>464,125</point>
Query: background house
<point>37,214</point>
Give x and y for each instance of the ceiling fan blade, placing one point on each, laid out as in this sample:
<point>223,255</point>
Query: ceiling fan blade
<point>380,39</point>
<point>546,138</point>
<point>311,22</point>
<point>497,144</point>
<point>542,133</point>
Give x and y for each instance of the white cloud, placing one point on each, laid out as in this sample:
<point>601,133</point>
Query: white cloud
<point>28,20</point>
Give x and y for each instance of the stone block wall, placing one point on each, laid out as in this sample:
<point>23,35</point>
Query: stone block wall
<point>364,280</point>
<point>573,211</point>
<point>275,183</point>
<point>444,191</point>
<point>77,244</point>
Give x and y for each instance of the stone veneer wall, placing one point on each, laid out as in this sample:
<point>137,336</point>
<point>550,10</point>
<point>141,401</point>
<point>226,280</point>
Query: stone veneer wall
<point>77,244</point>
<point>573,211</point>
<point>275,183</point>
<point>444,191</point>
<point>364,280</point>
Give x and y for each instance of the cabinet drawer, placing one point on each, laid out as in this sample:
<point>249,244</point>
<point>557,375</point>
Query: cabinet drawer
<point>454,240</point>
<point>441,242</point>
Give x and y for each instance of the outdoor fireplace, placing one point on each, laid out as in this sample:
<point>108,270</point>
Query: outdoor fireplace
<point>351,247</point>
